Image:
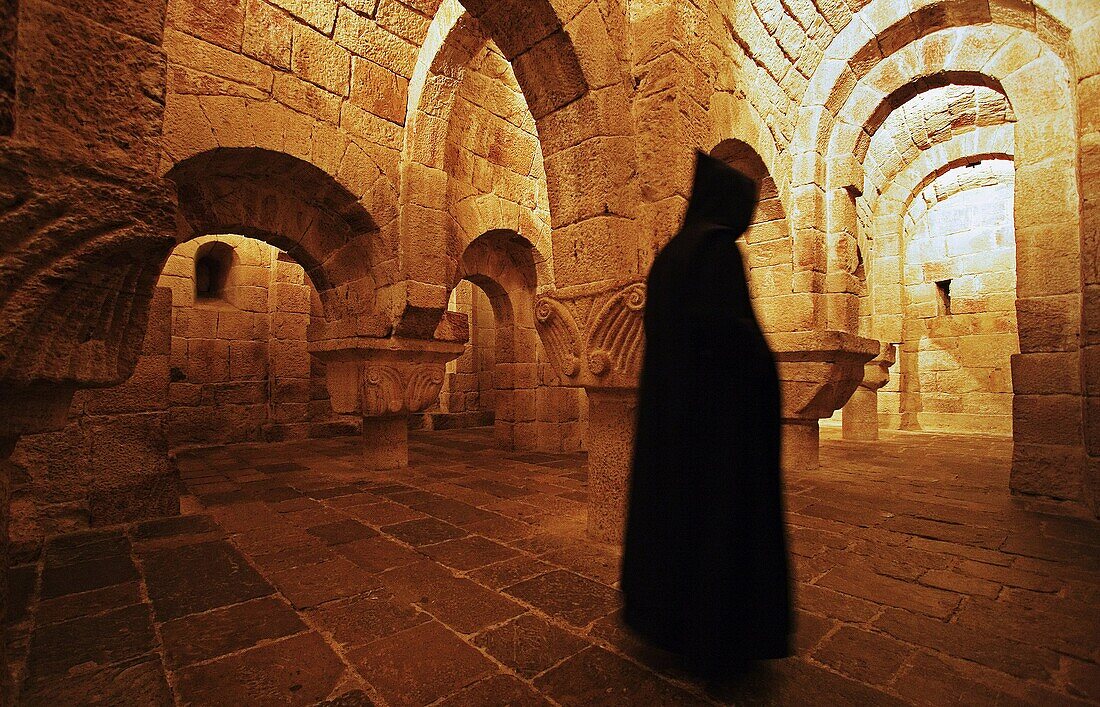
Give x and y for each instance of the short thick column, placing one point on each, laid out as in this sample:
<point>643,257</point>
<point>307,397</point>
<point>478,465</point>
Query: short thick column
<point>818,371</point>
<point>859,416</point>
<point>800,444</point>
<point>383,381</point>
<point>386,442</point>
<point>612,416</point>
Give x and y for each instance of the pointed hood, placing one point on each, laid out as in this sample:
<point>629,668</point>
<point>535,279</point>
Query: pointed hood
<point>720,195</point>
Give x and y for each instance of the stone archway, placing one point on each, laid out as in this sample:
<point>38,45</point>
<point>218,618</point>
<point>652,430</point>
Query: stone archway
<point>861,81</point>
<point>569,77</point>
<point>500,263</point>
<point>290,204</point>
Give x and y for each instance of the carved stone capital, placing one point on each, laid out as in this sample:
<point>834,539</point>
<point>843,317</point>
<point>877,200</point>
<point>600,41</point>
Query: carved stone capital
<point>383,377</point>
<point>876,372</point>
<point>819,370</point>
<point>593,334</point>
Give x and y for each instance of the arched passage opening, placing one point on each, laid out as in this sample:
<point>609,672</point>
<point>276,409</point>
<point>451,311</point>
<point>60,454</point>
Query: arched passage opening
<point>240,370</point>
<point>958,262</point>
<point>936,231</point>
<point>219,354</point>
<point>856,92</point>
<point>503,371</point>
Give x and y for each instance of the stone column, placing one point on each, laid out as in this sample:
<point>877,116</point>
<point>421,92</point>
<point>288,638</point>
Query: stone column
<point>605,358</point>
<point>383,380</point>
<point>818,371</point>
<point>859,416</point>
<point>612,414</point>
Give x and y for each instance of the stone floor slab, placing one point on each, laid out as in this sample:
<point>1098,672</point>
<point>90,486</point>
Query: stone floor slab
<point>301,670</point>
<point>420,665</point>
<point>467,579</point>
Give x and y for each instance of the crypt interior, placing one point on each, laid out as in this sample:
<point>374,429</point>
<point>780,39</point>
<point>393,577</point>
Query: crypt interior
<point>321,323</point>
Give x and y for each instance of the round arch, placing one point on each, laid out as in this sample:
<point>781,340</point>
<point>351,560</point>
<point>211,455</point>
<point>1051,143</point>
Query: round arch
<point>501,263</point>
<point>292,205</point>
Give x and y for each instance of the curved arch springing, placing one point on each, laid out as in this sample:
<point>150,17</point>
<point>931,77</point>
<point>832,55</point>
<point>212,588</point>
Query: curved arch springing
<point>292,205</point>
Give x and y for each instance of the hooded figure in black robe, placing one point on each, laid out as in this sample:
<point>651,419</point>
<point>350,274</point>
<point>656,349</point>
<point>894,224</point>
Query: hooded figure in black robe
<point>704,571</point>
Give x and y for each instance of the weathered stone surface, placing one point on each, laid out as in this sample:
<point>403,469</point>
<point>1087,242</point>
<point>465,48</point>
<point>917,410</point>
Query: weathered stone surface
<point>420,665</point>
<point>94,100</point>
<point>100,640</point>
<point>301,670</point>
<point>194,639</point>
<point>566,596</point>
<point>130,683</point>
<point>366,618</point>
<point>529,645</point>
<point>195,578</point>
<point>871,590</point>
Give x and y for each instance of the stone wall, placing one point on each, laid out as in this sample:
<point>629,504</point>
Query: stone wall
<point>240,368</point>
<point>493,149</point>
<point>110,464</point>
<point>954,372</point>
<point>542,413</point>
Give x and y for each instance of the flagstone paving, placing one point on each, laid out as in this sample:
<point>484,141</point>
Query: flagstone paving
<point>296,578</point>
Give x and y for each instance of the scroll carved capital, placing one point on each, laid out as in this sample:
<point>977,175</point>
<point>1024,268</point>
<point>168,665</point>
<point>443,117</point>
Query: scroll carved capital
<point>617,334</point>
<point>560,335</point>
<point>383,377</point>
<point>425,382</point>
<point>383,391</point>
<point>594,333</point>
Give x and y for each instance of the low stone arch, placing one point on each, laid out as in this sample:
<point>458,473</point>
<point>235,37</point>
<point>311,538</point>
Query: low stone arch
<point>292,205</point>
<point>875,34</point>
<point>973,334</point>
<point>888,219</point>
<point>578,93</point>
<point>962,57</point>
<point>502,264</point>
<point>83,250</point>
<point>435,210</point>
<point>905,135</point>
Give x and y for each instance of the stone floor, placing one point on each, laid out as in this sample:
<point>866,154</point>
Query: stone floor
<point>467,580</point>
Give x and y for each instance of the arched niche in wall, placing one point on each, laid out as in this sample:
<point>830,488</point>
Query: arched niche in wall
<point>214,261</point>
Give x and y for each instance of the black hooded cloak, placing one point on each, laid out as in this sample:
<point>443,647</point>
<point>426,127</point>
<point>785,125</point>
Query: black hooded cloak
<point>704,569</point>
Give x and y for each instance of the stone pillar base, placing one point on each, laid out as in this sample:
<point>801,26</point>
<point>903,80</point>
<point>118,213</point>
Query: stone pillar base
<point>818,371</point>
<point>859,416</point>
<point>383,381</point>
<point>799,451</point>
<point>612,416</point>
<point>385,442</point>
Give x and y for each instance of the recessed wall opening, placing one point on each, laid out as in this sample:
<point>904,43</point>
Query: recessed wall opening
<point>943,297</point>
<point>213,262</point>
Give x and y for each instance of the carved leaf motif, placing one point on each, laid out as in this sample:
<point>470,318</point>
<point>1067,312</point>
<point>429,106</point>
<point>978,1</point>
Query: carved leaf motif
<point>383,391</point>
<point>559,334</point>
<point>615,339</point>
<point>424,386</point>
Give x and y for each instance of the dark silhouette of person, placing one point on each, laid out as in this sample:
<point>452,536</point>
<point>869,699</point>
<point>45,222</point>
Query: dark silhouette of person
<point>705,571</point>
